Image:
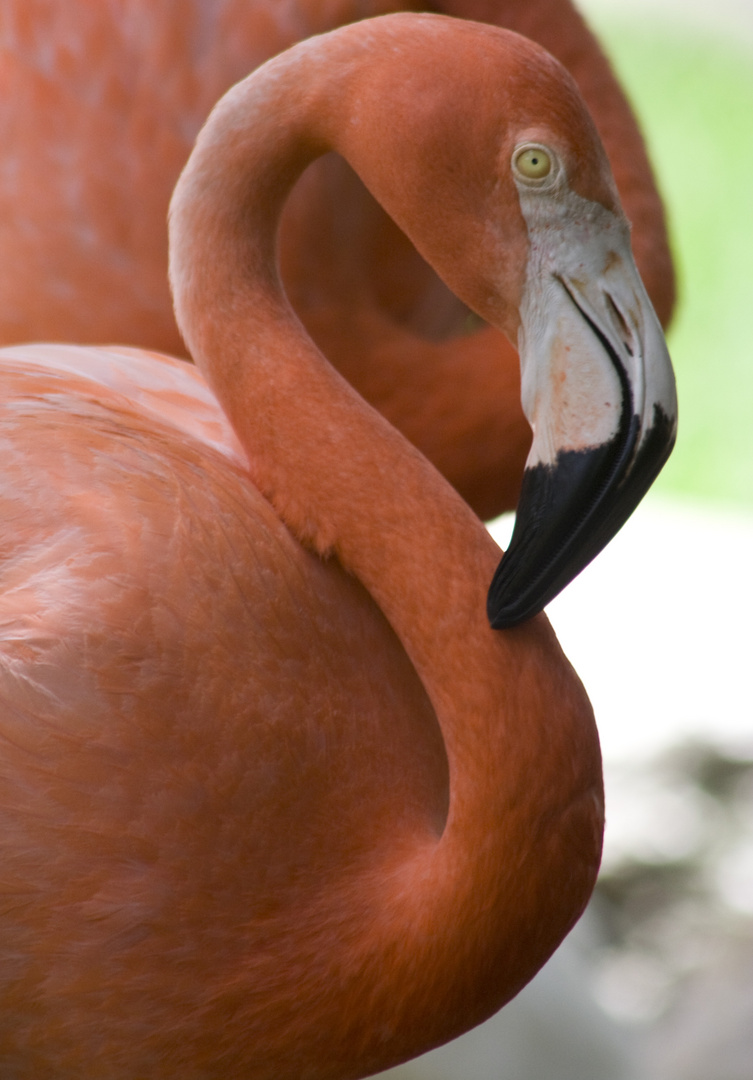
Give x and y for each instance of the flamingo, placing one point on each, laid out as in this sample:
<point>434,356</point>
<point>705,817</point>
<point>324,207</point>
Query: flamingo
<point>100,107</point>
<point>277,800</point>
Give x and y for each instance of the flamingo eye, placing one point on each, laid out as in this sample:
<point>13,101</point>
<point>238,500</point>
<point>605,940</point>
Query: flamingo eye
<point>533,163</point>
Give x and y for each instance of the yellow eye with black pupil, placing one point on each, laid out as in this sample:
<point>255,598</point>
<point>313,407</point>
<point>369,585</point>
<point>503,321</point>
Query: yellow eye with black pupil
<point>535,164</point>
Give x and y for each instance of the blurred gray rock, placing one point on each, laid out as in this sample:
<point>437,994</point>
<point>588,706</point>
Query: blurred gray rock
<point>709,1034</point>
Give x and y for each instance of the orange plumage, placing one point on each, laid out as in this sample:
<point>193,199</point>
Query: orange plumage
<point>276,801</point>
<point>100,105</point>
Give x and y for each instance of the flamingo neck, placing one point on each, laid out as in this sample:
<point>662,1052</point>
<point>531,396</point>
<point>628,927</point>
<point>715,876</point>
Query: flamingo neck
<point>508,705</point>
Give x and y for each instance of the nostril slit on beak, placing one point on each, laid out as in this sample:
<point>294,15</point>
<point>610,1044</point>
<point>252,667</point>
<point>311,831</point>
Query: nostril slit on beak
<point>622,326</point>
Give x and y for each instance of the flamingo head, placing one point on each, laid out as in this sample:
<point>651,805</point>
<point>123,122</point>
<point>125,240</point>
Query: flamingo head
<point>524,223</point>
<point>596,383</point>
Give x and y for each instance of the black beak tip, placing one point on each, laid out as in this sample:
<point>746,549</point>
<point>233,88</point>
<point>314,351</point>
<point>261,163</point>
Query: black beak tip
<point>504,616</point>
<point>567,513</point>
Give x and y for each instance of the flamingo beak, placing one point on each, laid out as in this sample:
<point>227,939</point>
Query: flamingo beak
<point>599,392</point>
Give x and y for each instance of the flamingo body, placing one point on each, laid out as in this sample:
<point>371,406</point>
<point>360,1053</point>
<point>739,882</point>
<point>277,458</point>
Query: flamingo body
<point>180,838</point>
<point>276,801</point>
<point>153,549</point>
<point>100,107</point>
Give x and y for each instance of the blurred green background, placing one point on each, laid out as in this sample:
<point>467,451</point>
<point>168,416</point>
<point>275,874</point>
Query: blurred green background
<point>693,93</point>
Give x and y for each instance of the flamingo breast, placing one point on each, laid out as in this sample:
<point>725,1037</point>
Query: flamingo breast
<point>197,713</point>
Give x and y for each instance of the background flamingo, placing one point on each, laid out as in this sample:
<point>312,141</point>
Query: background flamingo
<point>100,107</point>
<point>268,813</point>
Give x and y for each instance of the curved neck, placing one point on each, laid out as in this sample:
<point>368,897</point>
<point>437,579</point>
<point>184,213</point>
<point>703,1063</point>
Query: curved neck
<point>510,709</point>
<point>285,401</point>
